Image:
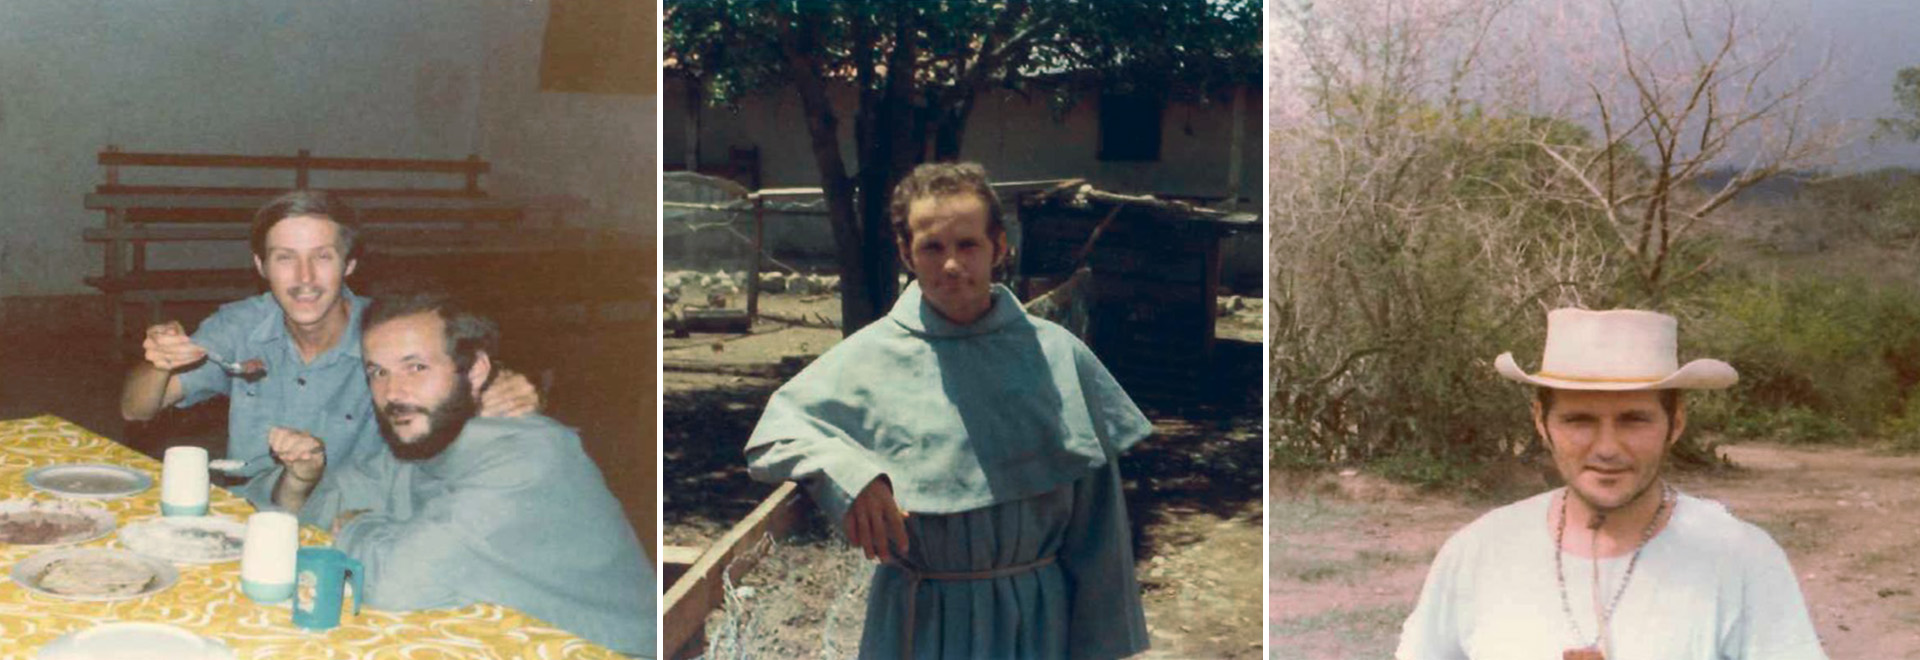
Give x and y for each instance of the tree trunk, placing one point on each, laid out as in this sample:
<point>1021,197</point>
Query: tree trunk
<point>823,133</point>
<point>950,131</point>
<point>891,149</point>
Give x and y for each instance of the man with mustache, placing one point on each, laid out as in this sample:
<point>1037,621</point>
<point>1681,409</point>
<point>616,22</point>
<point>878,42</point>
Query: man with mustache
<point>453,509</point>
<point>972,449</point>
<point>300,340</point>
<point>1618,564</point>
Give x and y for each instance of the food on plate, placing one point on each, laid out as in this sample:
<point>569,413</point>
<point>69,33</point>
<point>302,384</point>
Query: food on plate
<point>42,527</point>
<point>95,575</point>
<point>198,541</point>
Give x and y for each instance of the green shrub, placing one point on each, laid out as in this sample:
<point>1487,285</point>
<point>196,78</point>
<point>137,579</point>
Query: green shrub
<point>1821,359</point>
<point>1791,425</point>
<point>1899,219</point>
<point>1884,205</point>
<point>1902,432</point>
<point>1429,470</point>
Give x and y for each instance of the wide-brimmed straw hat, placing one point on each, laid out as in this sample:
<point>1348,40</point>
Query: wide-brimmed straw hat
<point>1616,350</point>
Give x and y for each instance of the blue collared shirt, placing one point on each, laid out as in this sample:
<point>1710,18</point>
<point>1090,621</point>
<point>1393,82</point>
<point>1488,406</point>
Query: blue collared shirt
<point>327,398</point>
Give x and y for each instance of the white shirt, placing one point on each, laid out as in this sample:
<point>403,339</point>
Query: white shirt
<point>1708,587</point>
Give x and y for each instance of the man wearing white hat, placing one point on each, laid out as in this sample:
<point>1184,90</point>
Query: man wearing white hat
<point>1618,564</point>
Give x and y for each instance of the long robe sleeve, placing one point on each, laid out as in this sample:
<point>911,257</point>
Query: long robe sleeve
<point>833,469</point>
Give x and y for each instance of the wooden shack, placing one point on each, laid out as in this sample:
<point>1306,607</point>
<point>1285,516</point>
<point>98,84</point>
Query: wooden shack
<point>1156,272</point>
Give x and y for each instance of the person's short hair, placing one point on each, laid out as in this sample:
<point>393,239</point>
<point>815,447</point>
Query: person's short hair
<point>468,333</point>
<point>940,180</point>
<point>307,202</point>
<point>1669,400</point>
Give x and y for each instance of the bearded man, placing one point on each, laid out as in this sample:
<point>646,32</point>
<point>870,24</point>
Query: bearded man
<point>1619,563</point>
<point>455,509</point>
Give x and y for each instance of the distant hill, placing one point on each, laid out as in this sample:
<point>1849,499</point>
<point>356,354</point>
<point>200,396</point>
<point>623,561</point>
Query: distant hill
<point>1788,186</point>
<point>1779,188</point>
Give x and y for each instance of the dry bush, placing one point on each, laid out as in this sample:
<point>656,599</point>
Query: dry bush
<point>1430,202</point>
<point>1412,242</point>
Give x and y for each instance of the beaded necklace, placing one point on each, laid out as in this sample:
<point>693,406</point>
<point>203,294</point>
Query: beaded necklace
<point>1593,650</point>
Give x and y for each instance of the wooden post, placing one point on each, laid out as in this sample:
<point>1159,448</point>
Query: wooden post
<point>300,171</point>
<point>691,129</point>
<point>113,171</point>
<point>115,221</point>
<point>1213,307</point>
<point>473,174</point>
<point>753,273</point>
<point>1235,144</point>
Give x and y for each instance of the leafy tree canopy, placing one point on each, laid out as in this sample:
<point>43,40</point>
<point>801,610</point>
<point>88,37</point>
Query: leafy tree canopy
<point>1906,92</point>
<point>1183,49</point>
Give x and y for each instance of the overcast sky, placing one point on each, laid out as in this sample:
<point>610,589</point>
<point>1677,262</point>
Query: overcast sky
<point>1872,40</point>
<point>1862,44</point>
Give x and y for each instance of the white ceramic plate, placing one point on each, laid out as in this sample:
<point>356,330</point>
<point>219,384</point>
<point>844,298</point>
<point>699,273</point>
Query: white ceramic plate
<point>186,539</point>
<point>19,515</point>
<point>92,481</point>
<point>134,641</point>
<point>28,572</point>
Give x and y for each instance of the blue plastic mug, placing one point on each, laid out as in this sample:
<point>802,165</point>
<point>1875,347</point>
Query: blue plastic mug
<point>320,578</point>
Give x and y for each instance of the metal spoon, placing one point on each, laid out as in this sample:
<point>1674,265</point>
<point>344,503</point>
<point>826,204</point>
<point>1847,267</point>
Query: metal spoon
<point>232,368</point>
<point>230,465</point>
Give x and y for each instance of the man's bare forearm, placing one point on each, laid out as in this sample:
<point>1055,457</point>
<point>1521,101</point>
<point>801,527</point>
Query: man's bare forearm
<point>290,492</point>
<point>146,392</point>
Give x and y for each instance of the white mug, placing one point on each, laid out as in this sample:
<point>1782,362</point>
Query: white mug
<point>183,482</point>
<point>267,560</point>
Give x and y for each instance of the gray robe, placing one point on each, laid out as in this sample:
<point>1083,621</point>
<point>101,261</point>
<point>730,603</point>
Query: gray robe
<point>513,513</point>
<point>1000,438</point>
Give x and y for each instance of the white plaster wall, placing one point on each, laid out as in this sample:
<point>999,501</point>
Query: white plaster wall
<point>772,121</point>
<point>362,78</point>
<point>590,156</point>
<point>1017,138</point>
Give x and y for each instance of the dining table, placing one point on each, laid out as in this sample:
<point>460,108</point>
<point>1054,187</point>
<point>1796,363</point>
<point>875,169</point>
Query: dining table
<point>207,598</point>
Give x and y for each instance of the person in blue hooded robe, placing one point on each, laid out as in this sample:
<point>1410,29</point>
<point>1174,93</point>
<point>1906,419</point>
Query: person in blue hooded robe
<point>972,449</point>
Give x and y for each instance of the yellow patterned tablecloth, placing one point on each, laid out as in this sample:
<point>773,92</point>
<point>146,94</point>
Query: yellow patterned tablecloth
<point>207,599</point>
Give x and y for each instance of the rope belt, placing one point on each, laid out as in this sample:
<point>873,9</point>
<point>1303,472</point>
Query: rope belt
<point>915,577</point>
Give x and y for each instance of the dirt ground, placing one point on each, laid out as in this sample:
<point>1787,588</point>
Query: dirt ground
<point>1349,553</point>
<point>1193,491</point>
